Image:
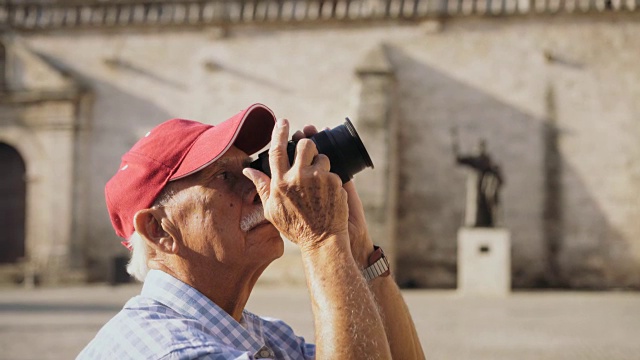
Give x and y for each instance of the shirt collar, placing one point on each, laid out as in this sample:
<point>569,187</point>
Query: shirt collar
<point>189,302</point>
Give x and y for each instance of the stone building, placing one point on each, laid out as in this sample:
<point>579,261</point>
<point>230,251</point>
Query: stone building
<point>553,86</point>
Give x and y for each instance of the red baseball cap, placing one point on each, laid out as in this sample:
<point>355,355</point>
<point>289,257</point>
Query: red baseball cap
<point>175,149</point>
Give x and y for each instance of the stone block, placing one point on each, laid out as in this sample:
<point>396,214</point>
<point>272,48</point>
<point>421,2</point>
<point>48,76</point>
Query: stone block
<point>484,261</point>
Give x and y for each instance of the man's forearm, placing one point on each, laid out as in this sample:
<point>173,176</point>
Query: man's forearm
<point>400,329</point>
<point>347,323</point>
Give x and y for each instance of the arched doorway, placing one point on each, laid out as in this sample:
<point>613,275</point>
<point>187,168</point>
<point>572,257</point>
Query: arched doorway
<point>12,205</point>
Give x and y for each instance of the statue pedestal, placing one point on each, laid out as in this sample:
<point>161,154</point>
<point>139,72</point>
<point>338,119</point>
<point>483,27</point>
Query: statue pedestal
<point>484,261</point>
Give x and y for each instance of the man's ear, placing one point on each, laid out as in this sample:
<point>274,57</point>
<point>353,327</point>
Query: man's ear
<point>147,223</point>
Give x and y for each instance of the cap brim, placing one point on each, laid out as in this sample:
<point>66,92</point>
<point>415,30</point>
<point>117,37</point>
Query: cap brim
<point>249,130</point>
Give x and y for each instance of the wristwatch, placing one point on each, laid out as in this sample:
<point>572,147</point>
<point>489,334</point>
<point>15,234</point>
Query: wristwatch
<point>378,265</point>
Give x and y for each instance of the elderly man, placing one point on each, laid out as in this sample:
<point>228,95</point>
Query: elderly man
<point>203,226</point>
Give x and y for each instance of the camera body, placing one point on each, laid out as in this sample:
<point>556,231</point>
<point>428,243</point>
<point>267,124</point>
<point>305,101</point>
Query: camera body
<point>342,145</point>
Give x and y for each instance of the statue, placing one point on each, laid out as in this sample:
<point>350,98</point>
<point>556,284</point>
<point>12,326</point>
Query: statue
<point>483,185</point>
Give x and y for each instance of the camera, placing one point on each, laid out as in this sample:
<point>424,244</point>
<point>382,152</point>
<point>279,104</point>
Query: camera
<point>341,145</point>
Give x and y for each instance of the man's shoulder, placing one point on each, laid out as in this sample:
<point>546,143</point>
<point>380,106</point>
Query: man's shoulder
<point>281,334</point>
<point>146,329</point>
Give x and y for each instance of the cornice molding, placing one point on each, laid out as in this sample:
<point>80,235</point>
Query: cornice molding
<point>38,15</point>
<point>8,97</point>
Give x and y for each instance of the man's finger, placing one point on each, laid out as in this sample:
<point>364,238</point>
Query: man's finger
<point>322,161</point>
<point>353,199</point>
<point>260,180</point>
<point>278,159</point>
<point>309,130</point>
<point>297,136</point>
<point>305,152</point>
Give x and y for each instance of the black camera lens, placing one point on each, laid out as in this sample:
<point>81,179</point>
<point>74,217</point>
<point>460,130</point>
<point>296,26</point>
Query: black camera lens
<point>341,145</point>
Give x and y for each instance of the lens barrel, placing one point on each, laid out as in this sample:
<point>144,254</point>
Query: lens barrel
<point>341,145</point>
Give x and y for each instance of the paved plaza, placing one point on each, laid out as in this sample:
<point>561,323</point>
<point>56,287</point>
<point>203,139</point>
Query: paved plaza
<point>55,323</point>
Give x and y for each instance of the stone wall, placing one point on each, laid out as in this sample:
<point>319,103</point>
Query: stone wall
<point>542,90</point>
<point>42,116</point>
<point>510,83</point>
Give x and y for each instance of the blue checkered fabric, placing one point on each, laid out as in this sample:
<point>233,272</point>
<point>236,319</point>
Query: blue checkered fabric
<point>172,320</point>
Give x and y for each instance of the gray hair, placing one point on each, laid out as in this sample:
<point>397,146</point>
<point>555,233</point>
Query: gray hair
<point>137,266</point>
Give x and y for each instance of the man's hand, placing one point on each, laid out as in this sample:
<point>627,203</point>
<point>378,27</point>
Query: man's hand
<point>399,328</point>
<point>361,244</point>
<point>305,202</point>
<point>308,205</point>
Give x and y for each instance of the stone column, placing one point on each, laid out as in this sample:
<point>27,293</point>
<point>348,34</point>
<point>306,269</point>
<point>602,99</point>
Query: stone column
<point>376,123</point>
<point>52,123</point>
<point>45,114</point>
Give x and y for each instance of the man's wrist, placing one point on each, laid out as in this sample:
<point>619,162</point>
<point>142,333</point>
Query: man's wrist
<point>361,254</point>
<point>330,245</point>
<point>378,265</point>
<point>328,261</point>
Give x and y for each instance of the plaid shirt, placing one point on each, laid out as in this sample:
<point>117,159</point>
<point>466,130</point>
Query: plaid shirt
<point>172,320</point>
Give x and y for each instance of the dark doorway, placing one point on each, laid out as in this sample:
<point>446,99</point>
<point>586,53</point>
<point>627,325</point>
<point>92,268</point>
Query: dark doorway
<point>12,205</point>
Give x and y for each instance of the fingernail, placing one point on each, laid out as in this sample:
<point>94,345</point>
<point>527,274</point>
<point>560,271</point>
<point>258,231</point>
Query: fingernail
<point>283,122</point>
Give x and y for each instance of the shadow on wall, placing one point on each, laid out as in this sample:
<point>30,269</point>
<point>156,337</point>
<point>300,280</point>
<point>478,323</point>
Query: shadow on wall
<point>547,250</point>
<point>118,119</point>
<point>122,118</point>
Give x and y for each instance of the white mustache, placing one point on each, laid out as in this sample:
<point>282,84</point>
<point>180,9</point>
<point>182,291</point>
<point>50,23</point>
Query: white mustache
<point>252,219</point>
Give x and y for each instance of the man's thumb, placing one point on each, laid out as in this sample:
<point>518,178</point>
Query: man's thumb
<point>261,182</point>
